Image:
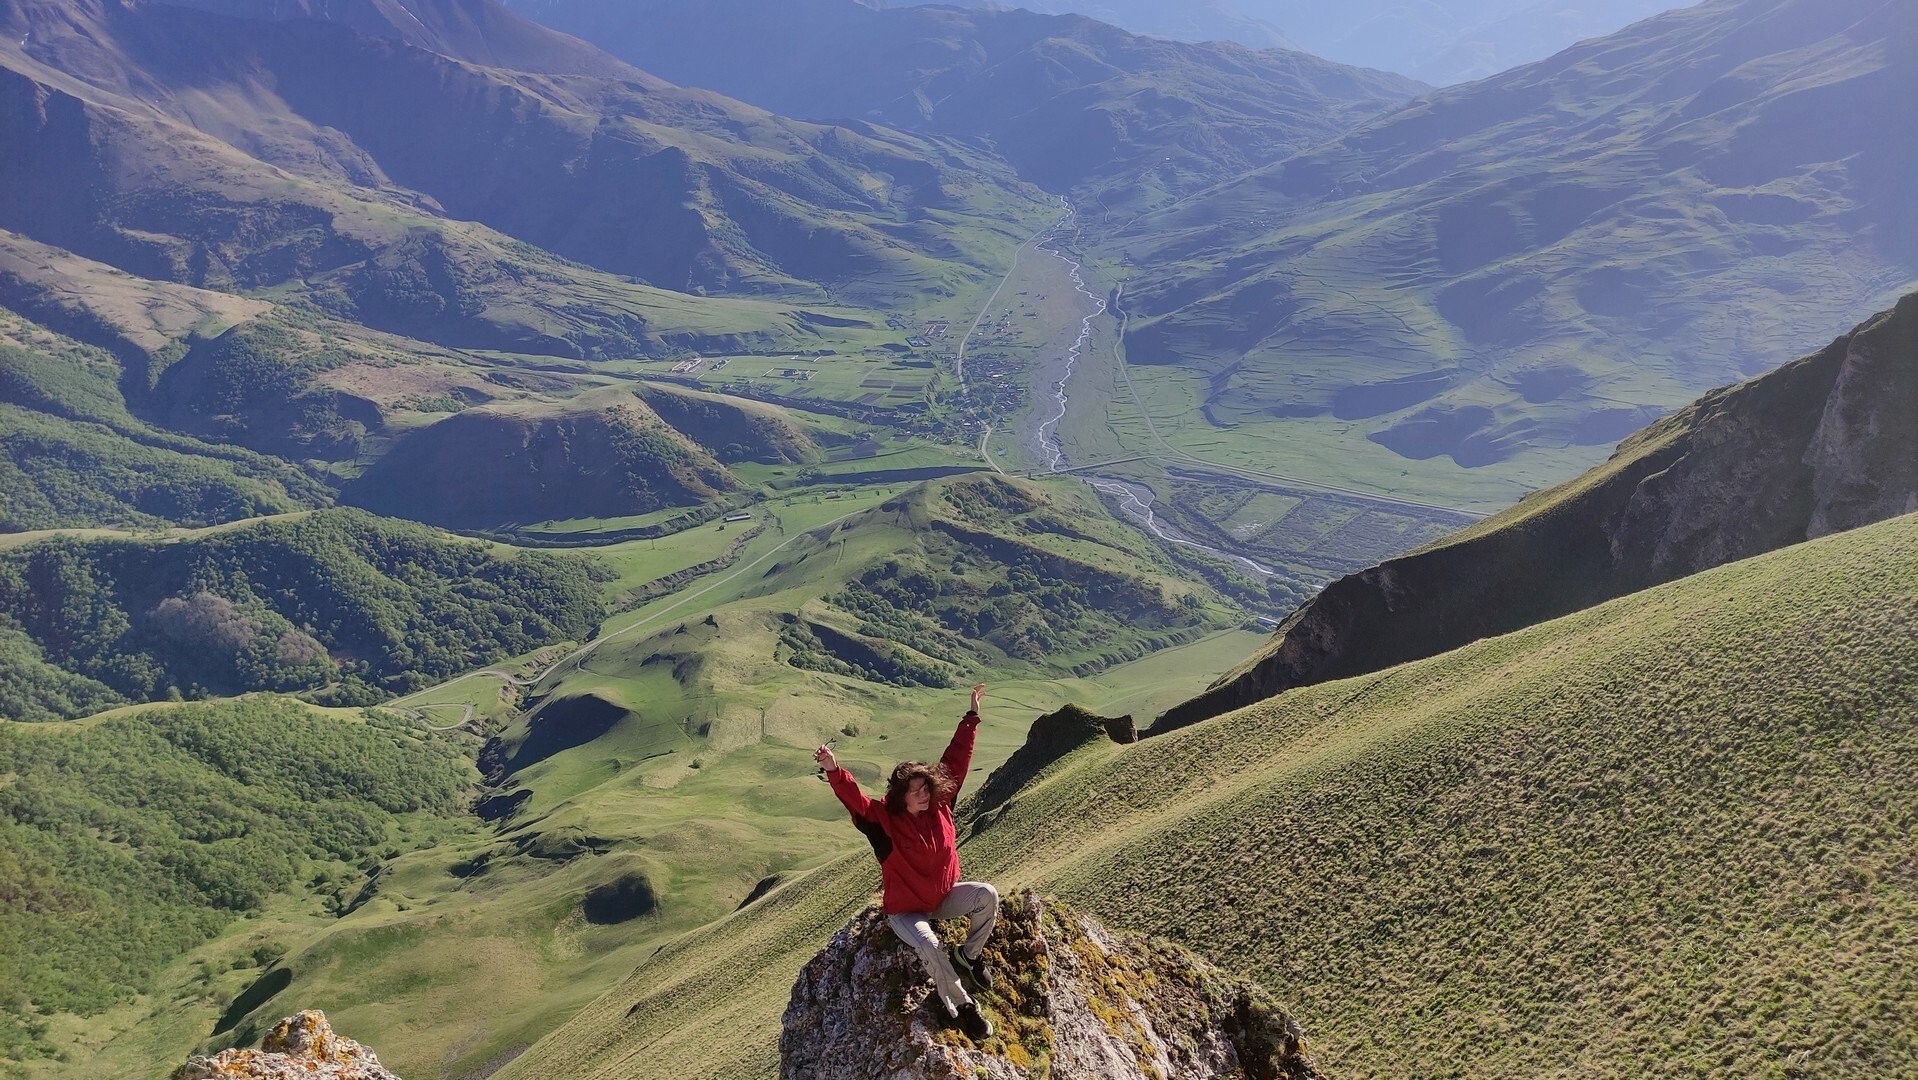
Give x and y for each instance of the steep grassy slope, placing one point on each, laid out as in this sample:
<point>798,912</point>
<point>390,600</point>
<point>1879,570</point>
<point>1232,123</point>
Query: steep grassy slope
<point>1073,103</point>
<point>1528,268</point>
<point>1828,442</point>
<point>1667,836</point>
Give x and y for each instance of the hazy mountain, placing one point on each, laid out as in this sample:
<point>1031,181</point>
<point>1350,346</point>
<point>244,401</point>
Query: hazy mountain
<point>1439,41</point>
<point>1541,261</point>
<point>1068,100</point>
<point>1824,444</point>
<point>477,31</point>
<point>241,153</point>
<point>1192,20</point>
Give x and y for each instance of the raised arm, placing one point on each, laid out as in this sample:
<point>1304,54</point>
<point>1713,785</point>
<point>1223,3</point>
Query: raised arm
<point>958,756</point>
<point>844,786</point>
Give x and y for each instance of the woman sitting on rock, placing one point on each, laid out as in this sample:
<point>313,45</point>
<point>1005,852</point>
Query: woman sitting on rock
<point>912,834</point>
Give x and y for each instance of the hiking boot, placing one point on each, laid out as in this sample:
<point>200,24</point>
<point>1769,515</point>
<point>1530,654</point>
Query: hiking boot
<point>973,972</point>
<point>976,1027</point>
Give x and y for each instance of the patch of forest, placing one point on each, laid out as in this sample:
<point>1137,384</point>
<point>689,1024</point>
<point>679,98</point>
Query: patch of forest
<point>124,844</point>
<point>338,602</point>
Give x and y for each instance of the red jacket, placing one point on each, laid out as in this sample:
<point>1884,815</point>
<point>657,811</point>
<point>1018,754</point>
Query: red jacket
<point>918,853</point>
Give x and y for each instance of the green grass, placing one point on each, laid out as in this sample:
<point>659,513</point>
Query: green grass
<point>1668,836</point>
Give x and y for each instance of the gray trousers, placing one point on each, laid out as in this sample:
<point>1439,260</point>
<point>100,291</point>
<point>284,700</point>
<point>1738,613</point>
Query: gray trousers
<point>979,903</point>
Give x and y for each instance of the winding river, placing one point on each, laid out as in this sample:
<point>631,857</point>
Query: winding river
<point>1134,499</point>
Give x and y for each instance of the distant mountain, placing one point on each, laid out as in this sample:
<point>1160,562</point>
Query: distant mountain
<point>243,154</point>
<point>1179,20</point>
<point>476,31</point>
<point>1072,102</point>
<point>1532,266</point>
<point>1824,444</point>
<point>1439,41</point>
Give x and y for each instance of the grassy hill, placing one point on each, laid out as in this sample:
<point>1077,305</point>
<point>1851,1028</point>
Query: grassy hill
<point>602,454</point>
<point>1665,836</point>
<point>1479,293</point>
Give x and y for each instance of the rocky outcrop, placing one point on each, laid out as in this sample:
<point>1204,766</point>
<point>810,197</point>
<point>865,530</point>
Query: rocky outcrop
<point>301,1047</point>
<point>1050,738</point>
<point>1072,1001</point>
<point>1825,443</point>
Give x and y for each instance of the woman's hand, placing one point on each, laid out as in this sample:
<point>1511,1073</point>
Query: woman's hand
<point>824,757</point>
<point>977,693</point>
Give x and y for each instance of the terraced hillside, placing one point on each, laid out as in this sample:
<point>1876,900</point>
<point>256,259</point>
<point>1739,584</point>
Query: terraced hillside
<point>1666,836</point>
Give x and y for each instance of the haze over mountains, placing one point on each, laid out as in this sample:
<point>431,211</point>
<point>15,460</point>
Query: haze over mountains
<point>1073,103</point>
<point>199,122</point>
<point>1439,41</point>
<point>724,332</point>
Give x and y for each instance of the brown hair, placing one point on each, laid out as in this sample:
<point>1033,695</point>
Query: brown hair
<point>904,773</point>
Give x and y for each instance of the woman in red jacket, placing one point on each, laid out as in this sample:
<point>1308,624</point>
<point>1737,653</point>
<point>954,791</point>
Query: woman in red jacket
<point>912,835</point>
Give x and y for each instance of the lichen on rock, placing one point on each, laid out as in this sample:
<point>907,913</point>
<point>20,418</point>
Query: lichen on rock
<point>302,1046</point>
<point>1072,1000</point>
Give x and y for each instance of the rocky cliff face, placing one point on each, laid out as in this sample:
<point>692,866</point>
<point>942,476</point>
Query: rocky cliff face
<point>1826,443</point>
<point>1073,1001</point>
<point>304,1046</point>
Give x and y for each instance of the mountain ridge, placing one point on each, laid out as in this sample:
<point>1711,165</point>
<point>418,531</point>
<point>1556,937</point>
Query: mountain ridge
<point>1823,444</point>
<point>1074,103</point>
